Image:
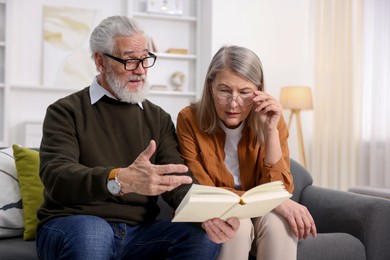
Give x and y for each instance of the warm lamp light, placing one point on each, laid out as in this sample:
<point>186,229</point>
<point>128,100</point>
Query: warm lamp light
<point>297,98</point>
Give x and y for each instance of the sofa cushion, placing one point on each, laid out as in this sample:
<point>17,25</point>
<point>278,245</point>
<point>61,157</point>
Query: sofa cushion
<point>17,249</point>
<point>11,212</point>
<point>335,246</point>
<point>27,166</point>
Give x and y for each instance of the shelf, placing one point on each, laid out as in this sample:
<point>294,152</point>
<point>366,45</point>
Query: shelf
<point>47,88</point>
<point>164,55</point>
<point>38,87</point>
<point>172,93</point>
<point>164,17</point>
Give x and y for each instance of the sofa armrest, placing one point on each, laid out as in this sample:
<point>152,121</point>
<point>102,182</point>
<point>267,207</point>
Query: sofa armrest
<point>364,217</point>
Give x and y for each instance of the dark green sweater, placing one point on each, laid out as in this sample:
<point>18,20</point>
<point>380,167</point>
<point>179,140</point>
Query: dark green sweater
<point>82,143</point>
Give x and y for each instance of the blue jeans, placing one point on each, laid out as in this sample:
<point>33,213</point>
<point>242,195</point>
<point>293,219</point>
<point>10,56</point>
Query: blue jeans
<point>90,237</point>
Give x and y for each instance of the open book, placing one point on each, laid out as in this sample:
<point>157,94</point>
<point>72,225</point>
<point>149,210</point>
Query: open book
<point>205,202</point>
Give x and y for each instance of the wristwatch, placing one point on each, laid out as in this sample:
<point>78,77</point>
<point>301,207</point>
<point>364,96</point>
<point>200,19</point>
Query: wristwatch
<point>113,184</point>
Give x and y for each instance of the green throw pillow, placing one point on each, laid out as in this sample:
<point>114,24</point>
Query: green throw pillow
<point>31,188</point>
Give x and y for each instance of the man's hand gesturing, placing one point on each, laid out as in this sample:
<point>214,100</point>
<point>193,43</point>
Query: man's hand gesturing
<point>145,178</point>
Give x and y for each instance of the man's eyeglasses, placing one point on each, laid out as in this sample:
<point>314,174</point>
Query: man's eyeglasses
<point>132,64</point>
<point>224,97</point>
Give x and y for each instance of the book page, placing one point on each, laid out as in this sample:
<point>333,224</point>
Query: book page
<point>204,202</point>
<point>257,207</point>
<point>264,188</point>
<point>200,211</point>
<point>203,190</point>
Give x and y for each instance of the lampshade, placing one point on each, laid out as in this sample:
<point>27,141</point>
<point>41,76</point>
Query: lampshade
<point>296,97</point>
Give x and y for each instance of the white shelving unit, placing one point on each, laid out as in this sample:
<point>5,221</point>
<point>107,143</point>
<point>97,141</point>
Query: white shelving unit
<point>171,32</point>
<point>3,78</point>
<point>24,96</point>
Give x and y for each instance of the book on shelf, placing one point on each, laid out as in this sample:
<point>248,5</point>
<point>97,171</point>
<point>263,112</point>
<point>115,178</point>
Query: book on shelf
<point>177,51</point>
<point>206,202</point>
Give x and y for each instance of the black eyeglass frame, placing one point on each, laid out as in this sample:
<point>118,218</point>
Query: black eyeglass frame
<point>124,62</point>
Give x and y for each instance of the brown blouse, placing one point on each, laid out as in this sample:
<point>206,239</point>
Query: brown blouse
<point>204,154</point>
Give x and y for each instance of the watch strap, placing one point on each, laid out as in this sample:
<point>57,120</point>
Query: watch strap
<point>113,173</point>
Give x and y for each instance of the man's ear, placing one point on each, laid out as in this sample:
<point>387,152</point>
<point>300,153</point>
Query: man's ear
<point>99,62</point>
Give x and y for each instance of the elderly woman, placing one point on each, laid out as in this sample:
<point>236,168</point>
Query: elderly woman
<point>235,137</point>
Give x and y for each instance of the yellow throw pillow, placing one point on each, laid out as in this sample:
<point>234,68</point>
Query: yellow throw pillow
<point>31,188</point>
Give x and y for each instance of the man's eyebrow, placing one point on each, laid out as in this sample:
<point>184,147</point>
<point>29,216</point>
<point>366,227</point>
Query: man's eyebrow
<point>128,52</point>
<point>146,51</point>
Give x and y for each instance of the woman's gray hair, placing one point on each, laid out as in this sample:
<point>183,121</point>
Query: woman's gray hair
<point>244,63</point>
<point>103,36</point>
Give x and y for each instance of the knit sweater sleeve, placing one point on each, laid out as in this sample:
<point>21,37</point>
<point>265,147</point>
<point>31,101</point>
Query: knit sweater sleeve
<point>167,153</point>
<point>64,177</point>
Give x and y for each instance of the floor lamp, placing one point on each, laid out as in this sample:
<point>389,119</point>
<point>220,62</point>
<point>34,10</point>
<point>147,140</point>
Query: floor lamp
<point>297,98</point>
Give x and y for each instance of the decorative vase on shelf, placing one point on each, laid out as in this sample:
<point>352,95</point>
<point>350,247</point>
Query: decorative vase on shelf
<point>177,80</point>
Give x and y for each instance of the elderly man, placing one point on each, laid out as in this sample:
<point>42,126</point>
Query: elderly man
<point>106,154</point>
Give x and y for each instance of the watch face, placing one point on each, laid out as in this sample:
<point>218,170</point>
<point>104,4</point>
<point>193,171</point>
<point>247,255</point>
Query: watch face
<point>113,187</point>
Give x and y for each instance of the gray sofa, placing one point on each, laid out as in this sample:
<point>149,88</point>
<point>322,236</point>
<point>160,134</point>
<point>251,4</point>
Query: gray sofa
<point>350,226</point>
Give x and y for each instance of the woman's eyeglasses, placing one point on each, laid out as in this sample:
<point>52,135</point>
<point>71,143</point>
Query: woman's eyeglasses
<point>224,97</point>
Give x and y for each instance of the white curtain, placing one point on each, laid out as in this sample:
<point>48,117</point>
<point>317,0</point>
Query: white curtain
<point>337,93</point>
<point>374,168</point>
<point>351,139</point>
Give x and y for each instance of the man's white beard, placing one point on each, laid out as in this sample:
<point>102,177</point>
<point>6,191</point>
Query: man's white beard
<point>124,94</point>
